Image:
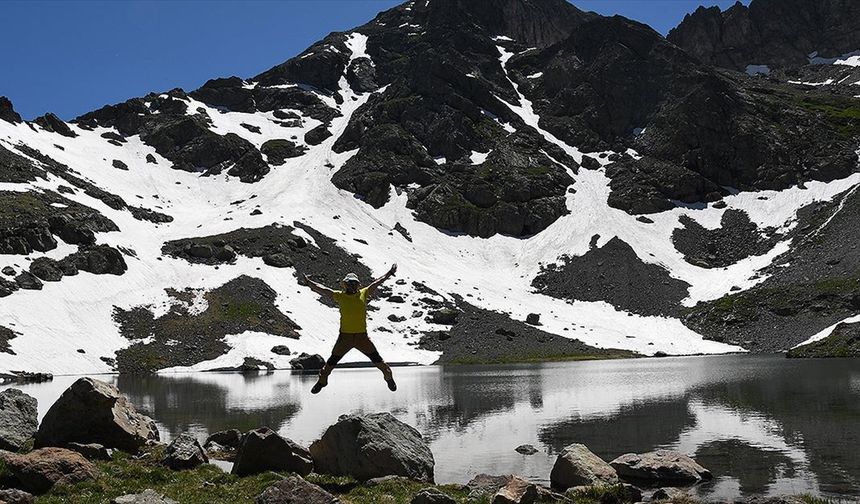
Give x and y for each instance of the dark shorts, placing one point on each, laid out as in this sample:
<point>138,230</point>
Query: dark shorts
<point>348,341</point>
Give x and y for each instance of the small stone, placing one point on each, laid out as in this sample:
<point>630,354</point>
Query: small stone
<point>526,449</point>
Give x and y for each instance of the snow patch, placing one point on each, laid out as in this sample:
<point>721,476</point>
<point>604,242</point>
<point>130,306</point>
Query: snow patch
<point>758,70</point>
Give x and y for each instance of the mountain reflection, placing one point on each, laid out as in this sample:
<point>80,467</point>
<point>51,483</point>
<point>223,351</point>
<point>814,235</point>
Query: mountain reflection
<point>209,402</point>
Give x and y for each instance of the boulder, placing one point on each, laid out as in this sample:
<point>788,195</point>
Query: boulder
<point>280,350</point>
<point>15,496</point>
<point>92,411</point>
<point>486,484</point>
<point>306,361</point>
<point>516,491</point>
<point>661,466</point>
<point>264,450</point>
<point>91,451</point>
<point>446,316</point>
<point>577,466</point>
<point>184,452</point>
<point>46,269</point>
<point>526,449</point>
<point>229,438</point>
<point>278,260</point>
<point>432,496</point>
<point>38,471</point>
<point>373,445</point>
<point>18,419</point>
<point>27,280</point>
<point>295,490</point>
<point>148,496</point>
<point>533,318</point>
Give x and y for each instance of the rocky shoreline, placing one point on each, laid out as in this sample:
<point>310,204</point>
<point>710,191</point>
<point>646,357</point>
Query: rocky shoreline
<point>94,446</point>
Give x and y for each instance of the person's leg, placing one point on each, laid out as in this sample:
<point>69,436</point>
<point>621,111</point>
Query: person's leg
<point>365,346</point>
<point>341,347</point>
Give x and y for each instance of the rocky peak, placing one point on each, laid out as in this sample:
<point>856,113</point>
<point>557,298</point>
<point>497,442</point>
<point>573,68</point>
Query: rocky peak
<point>536,23</point>
<point>778,33</point>
<point>7,113</point>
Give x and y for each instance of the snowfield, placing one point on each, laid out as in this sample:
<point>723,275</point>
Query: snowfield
<point>492,273</point>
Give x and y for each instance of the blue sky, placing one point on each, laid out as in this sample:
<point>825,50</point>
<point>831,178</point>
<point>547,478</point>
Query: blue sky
<point>70,57</point>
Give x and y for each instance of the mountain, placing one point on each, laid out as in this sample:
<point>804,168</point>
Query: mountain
<point>514,157</point>
<point>776,33</point>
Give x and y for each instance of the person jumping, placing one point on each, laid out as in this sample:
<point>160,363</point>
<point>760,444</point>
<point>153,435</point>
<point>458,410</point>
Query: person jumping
<point>352,301</point>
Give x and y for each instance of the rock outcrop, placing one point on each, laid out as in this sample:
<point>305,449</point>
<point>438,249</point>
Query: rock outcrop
<point>148,496</point>
<point>264,450</point>
<point>777,33</point>
<point>92,411</point>
<point>185,452</point>
<point>39,470</point>
<point>661,466</point>
<point>577,466</point>
<point>373,445</point>
<point>18,419</point>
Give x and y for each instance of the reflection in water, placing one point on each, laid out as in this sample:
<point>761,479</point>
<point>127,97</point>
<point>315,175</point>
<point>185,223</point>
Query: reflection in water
<point>213,402</point>
<point>762,424</point>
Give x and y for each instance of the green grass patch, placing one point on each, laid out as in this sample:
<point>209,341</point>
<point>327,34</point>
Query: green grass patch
<point>206,484</point>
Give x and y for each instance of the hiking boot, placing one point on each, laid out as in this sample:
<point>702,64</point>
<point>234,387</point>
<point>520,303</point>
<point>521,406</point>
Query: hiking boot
<point>319,385</point>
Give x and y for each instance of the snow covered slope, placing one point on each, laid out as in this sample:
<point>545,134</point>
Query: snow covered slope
<point>207,160</point>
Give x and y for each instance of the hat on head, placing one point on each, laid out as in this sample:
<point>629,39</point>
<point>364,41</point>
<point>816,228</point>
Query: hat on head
<point>350,277</point>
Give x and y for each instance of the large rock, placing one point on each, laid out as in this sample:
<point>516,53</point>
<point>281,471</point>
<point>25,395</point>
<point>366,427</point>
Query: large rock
<point>295,490</point>
<point>91,451</point>
<point>148,496</point>
<point>516,491</point>
<point>306,361</point>
<point>264,450</point>
<point>373,445</point>
<point>661,466</point>
<point>229,438</point>
<point>38,471</point>
<point>432,496</point>
<point>92,411</point>
<point>15,496</point>
<point>18,419</point>
<point>576,466</point>
<point>185,452</point>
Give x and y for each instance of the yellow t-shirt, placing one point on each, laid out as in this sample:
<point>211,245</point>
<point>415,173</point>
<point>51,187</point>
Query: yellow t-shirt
<point>353,311</point>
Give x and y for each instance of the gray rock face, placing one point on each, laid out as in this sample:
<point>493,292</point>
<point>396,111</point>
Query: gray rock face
<point>148,496</point>
<point>39,470</point>
<point>15,496</point>
<point>661,466</point>
<point>91,451</point>
<point>295,490</point>
<point>432,496</point>
<point>185,452</point>
<point>306,361</point>
<point>264,450</point>
<point>92,411</point>
<point>370,446</point>
<point>576,466</point>
<point>770,32</point>
<point>18,419</point>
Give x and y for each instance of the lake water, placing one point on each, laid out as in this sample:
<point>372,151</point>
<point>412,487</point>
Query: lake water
<point>761,424</point>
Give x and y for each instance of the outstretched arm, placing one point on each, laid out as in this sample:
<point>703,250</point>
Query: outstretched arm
<point>374,284</point>
<point>318,288</point>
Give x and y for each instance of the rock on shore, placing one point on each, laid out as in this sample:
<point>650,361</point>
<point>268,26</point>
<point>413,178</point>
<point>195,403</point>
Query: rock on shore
<point>92,411</point>
<point>379,445</point>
